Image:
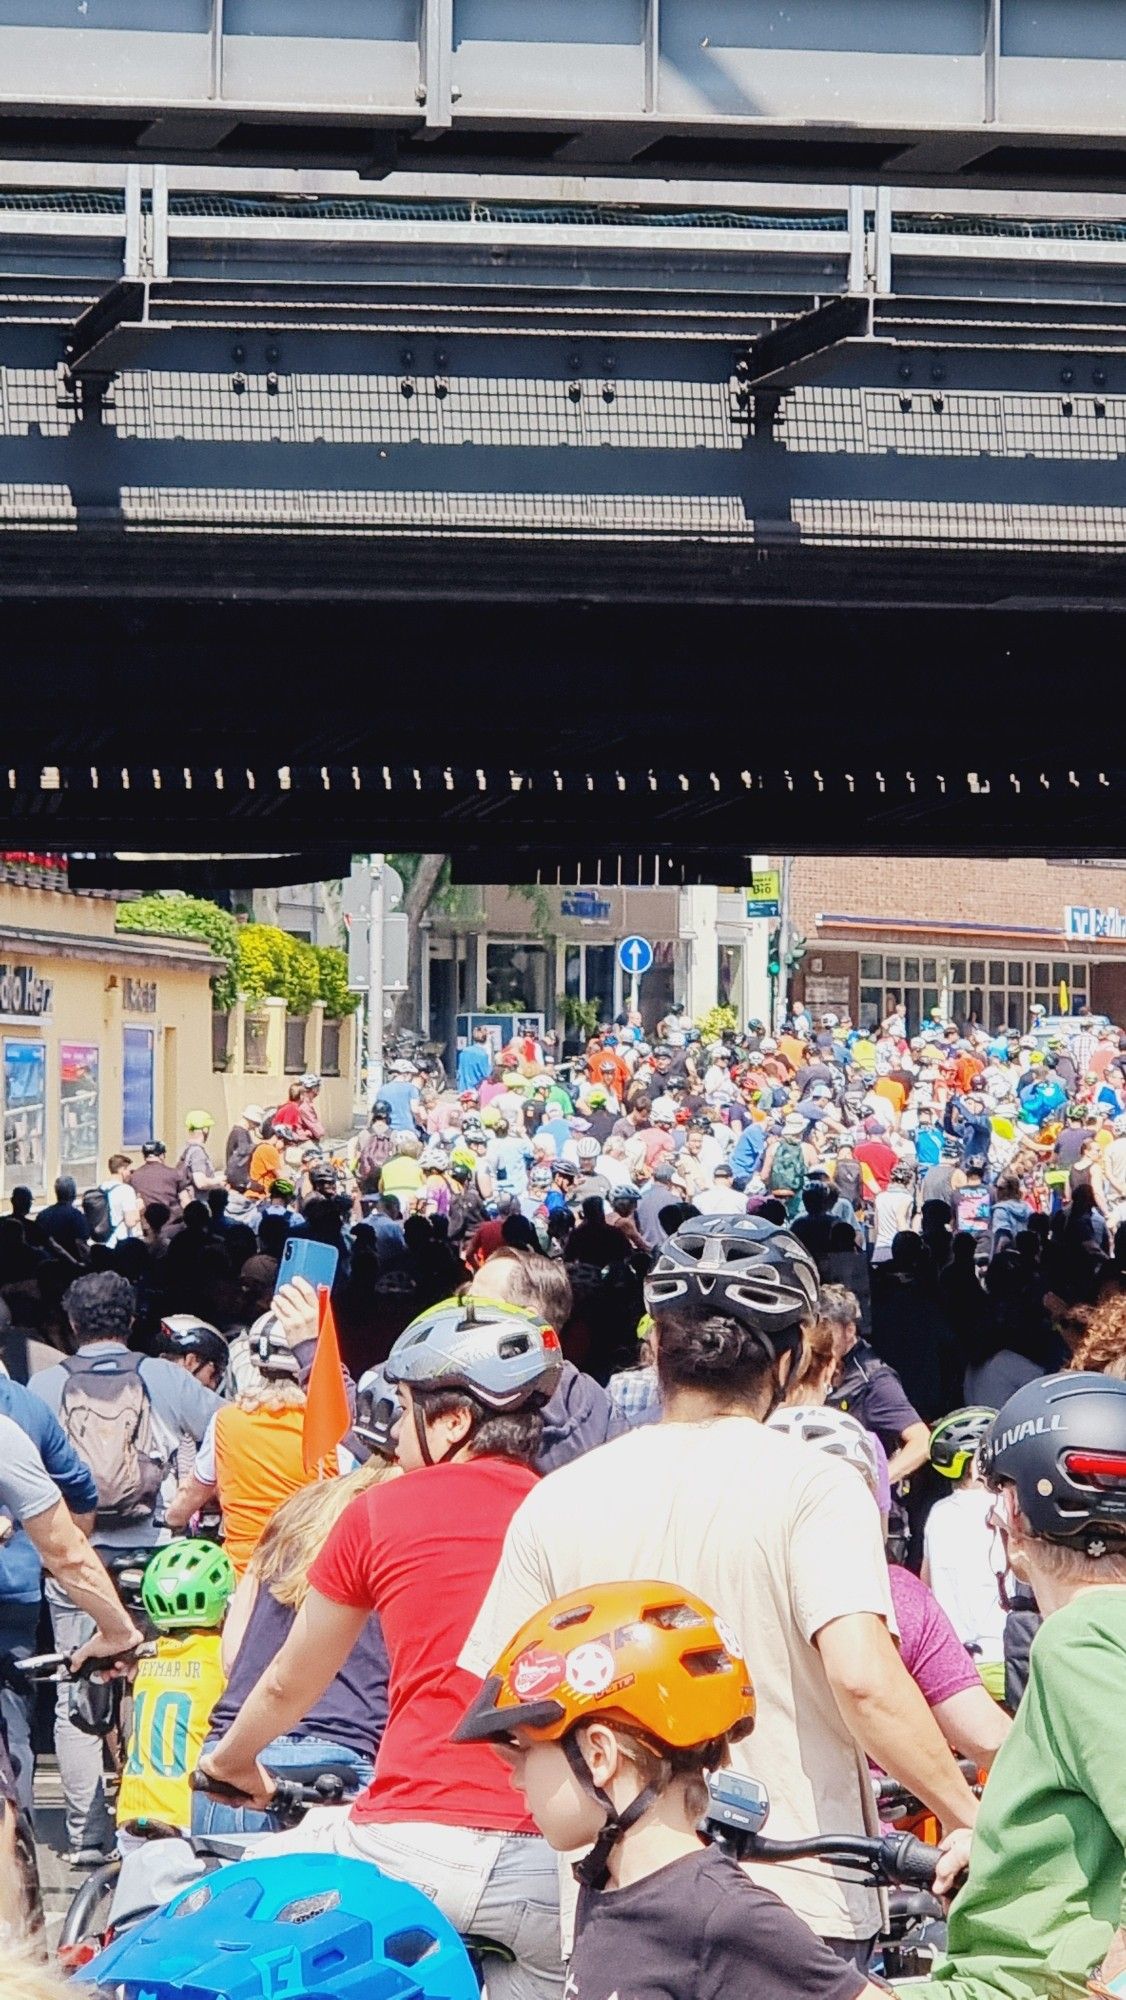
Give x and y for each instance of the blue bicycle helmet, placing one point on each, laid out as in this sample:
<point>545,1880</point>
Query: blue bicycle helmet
<point>306,1926</point>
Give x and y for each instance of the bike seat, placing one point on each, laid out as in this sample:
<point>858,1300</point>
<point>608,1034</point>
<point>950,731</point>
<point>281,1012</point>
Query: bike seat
<point>903,1903</point>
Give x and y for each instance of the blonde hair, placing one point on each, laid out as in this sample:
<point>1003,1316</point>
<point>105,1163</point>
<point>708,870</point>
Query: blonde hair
<point>299,1529</point>
<point>24,1976</point>
<point>282,1393</point>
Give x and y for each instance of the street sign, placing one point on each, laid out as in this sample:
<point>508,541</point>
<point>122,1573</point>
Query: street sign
<point>764,894</point>
<point>635,956</point>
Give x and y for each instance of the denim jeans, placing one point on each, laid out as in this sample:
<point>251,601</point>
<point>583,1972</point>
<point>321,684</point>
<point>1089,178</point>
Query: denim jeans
<point>503,1886</point>
<point>88,1822</point>
<point>19,1626</point>
<point>286,1757</point>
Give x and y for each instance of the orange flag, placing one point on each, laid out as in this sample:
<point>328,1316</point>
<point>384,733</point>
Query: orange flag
<point>327,1416</point>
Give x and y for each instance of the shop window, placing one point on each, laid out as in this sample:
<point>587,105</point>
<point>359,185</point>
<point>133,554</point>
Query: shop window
<point>930,997</point>
<point>911,970</point>
<point>1059,972</point>
<point>516,977</point>
<point>977,972</point>
<point>295,1032</point>
<point>729,976</point>
<point>958,971</point>
<point>996,972</point>
<point>871,966</point>
<point>137,1086</point>
<point>1016,1011</point>
<point>977,1002</point>
<point>78,1110</point>
<point>255,1029</point>
<point>871,1005</point>
<point>892,969</point>
<point>958,1004</point>
<point>996,1011</point>
<point>330,1048</point>
<point>1016,973</point>
<point>600,978</point>
<point>573,972</point>
<point>220,1040</point>
<point>1042,972</point>
<point>1043,999</point>
<point>930,969</point>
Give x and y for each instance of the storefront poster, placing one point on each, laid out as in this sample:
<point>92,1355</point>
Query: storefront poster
<point>25,1114</point>
<point>137,1116</point>
<point>78,1108</point>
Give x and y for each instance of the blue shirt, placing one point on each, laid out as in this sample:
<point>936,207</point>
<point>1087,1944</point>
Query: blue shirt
<point>747,1152</point>
<point>20,1568</point>
<point>401,1094</point>
<point>928,1145</point>
<point>474,1065</point>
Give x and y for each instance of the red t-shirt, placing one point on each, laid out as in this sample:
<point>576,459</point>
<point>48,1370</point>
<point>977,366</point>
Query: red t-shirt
<point>880,1160</point>
<point>421,1551</point>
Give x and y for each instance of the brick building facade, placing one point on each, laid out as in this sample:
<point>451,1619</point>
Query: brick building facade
<point>983,939</point>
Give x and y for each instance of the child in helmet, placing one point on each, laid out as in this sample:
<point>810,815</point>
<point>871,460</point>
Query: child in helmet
<point>185,1591</point>
<point>610,1706</point>
<point>957,1562</point>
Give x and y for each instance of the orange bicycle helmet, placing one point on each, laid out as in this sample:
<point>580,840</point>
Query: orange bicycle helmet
<point>649,1656</point>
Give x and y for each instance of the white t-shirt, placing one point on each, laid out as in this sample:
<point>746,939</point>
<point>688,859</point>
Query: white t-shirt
<point>957,1549</point>
<point>721,1199</point>
<point>779,1540</point>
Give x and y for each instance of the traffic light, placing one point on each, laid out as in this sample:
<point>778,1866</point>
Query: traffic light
<point>797,949</point>
<point>774,952</point>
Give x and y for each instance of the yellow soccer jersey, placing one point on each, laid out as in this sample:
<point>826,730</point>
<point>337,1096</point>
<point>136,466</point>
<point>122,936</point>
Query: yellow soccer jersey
<point>173,1696</point>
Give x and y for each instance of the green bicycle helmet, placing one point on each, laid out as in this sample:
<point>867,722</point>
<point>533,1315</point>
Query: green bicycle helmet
<point>187,1584</point>
<point>955,1439</point>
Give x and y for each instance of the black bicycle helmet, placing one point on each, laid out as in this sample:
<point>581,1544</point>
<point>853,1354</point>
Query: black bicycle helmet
<point>741,1266</point>
<point>381,1109</point>
<point>955,1439</point>
<point>1061,1443</point>
<point>183,1333</point>
<point>378,1410</point>
<point>153,1149</point>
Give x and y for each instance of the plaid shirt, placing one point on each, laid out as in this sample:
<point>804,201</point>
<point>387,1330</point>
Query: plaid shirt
<point>635,1395</point>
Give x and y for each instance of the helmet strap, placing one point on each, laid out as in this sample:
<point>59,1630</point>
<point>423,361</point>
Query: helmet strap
<point>594,1867</point>
<point>421,1434</point>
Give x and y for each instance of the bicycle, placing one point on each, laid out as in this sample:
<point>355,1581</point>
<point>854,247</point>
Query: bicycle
<point>737,1812</point>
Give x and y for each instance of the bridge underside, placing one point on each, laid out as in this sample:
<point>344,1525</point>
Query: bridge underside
<point>622,743</point>
<point>981,92</point>
<point>569,538</point>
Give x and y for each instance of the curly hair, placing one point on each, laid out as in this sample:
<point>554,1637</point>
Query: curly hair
<point>1102,1346</point>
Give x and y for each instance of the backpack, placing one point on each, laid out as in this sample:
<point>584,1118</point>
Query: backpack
<point>107,1414</point>
<point>787,1169</point>
<point>96,1209</point>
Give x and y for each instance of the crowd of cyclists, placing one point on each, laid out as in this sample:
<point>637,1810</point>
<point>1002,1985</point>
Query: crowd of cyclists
<point>754,1404</point>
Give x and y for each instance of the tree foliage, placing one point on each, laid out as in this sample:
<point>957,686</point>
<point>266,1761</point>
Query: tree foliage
<point>332,965</point>
<point>170,914</point>
<point>272,964</point>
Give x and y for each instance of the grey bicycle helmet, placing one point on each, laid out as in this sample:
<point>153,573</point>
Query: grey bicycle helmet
<point>504,1356</point>
<point>271,1352</point>
<point>742,1267</point>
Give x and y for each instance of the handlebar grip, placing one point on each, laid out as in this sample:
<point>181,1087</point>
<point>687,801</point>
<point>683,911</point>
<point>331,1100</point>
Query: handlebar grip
<point>911,1861</point>
<point>216,1789</point>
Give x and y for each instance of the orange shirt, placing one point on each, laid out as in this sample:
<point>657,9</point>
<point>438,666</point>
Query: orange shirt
<point>258,1464</point>
<point>791,1050</point>
<point>888,1087</point>
<point>265,1164</point>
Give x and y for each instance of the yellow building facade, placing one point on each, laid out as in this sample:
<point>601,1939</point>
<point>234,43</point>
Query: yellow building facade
<point>107,1039</point>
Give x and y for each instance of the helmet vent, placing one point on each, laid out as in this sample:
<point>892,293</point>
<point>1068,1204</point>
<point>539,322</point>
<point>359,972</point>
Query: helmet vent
<point>577,1615</point>
<point>670,1617</point>
<point>198,1900</point>
<point>516,1344</point>
<point>701,1665</point>
<point>307,1907</point>
<point>410,1947</point>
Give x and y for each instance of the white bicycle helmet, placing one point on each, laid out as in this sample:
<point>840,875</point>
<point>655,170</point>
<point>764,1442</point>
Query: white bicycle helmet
<point>832,1431</point>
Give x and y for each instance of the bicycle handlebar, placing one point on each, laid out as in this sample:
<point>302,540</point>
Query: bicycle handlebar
<point>886,1858</point>
<point>290,1799</point>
